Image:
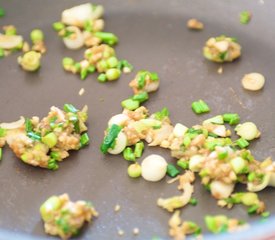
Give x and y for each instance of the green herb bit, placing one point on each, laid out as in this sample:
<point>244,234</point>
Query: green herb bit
<point>102,77</point>
<point>128,154</point>
<point>215,120</point>
<point>193,201</point>
<point>154,76</point>
<point>2,53</point>
<point>253,209</point>
<point>245,17</point>
<point>251,176</point>
<point>36,36</point>
<point>110,138</point>
<point>83,73</point>
<point>141,97</point>
<point>3,132</point>
<point>69,108</point>
<point>52,164</point>
<point>2,12</point>
<point>223,55</point>
<point>172,171</point>
<point>50,139</point>
<point>123,64</point>
<point>139,147</point>
<point>216,224</point>
<point>28,125</point>
<point>134,170</point>
<point>231,118</point>
<point>1,152</point>
<point>35,136</point>
<point>113,74</point>
<point>58,26</point>
<point>222,155</point>
<point>130,104</point>
<point>67,63</point>
<point>141,79</point>
<point>200,107</point>
<point>55,156</point>
<point>107,37</point>
<point>242,143</point>
<point>10,30</point>
<point>84,139</point>
<point>183,164</point>
<point>162,114</point>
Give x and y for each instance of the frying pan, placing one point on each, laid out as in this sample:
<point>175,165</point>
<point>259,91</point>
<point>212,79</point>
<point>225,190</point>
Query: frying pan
<point>153,36</point>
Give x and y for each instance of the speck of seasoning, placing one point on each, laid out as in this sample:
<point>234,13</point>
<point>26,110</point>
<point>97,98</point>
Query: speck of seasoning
<point>101,99</point>
<point>120,232</point>
<point>135,231</point>
<point>81,91</point>
<point>220,70</point>
<point>117,208</point>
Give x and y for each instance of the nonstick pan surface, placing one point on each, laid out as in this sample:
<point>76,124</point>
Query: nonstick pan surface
<point>153,36</point>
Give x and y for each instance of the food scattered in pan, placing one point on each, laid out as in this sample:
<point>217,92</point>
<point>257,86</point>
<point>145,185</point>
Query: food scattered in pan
<point>45,143</point>
<point>65,218</point>
<point>195,24</point>
<point>253,81</point>
<point>222,49</point>
<point>82,26</point>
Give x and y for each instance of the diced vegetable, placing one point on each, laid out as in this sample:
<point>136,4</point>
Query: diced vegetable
<point>231,118</point>
<point>112,74</point>
<point>128,154</point>
<point>141,97</point>
<point>30,61</point>
<point>84,139</point>
<point>130,104</point>
<point>37,35</point>
<point>139,149</point>
<point>253,81</point>
<point>110,138</point>
<point>107,37</point>
<point>50,139</point>
<point>161,114</point>
<point>200,107</point>
<point>2,12</point>
<point>69,108</point>
<point>134,170</point>
<point>247,131</point>
<point>245,17</point>
<point>172,171</point>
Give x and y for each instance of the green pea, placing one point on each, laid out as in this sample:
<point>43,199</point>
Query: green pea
<point>37,35</point>
<point>113,74</point>
<point>134,170</point>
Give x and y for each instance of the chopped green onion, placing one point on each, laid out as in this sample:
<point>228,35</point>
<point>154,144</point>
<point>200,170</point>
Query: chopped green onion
<point>183,164</point>
<point>107,37</point>
<point>3,132</point>
<point>130,104</point>
<point>10,30</point>
<point>102,77</point>
<point>69,108</point>
<point>253,209</point>
<point>28,125</point>
<point>172,171</point>
<point>110,138</point>
<point>186,140</point>
<point>83,73</point>
<point>50,140</point>
<point>245,17</point>
<point>128,154</point>
<point>200,107</point>
<point>141,79</point>
<point>67,62</point>
<point>2,12</point>
<point>238,164</point>
<point>154,76</point>
<point>55,156</point>
<point>251,177</point>
<point>124,64</point>
<point>141,97</point>
<point>91,69</point>
<point>223,55</point>
<point>113,74</point>
<point>138,149</point>
<point>88,26</point>
<point>231,118</point>
<point>242,143</point>
<point>52,164</point>
<point>34,136</point>
<point>193,201</point>
<point>36,35</point>
<point>215,120</point>
<point>77,66</point>
<point>1,152</point>
<point>84,139</point>
<point>112,62</point>
<point>2,53</point>
<point>222,155</point>
<point>134,170</point>
<point>162,114</point>
<point>58,26</point>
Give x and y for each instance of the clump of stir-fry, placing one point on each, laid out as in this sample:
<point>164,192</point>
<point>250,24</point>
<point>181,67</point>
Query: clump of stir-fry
<point>83,26</point>
<point>65,218</point>
<point>45,143</point>
<point>222,49</point>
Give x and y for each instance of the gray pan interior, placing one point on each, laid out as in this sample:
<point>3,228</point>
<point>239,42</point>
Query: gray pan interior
<point>152,36</point>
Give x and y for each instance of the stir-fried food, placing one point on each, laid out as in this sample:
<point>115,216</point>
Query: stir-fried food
<point>65,218</point>
<point>222,49</point>
<point>45,143</point>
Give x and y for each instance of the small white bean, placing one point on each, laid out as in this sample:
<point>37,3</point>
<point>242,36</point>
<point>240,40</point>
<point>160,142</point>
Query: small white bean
<point>253,81</point>
<point>153,168</point>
